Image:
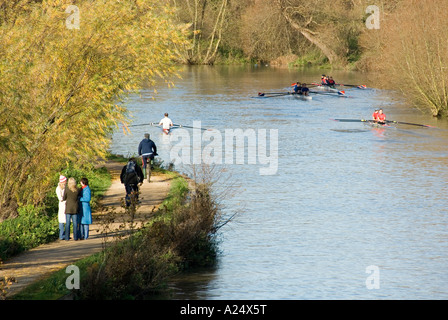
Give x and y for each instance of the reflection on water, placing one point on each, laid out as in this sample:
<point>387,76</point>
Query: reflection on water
<point>346,196</point>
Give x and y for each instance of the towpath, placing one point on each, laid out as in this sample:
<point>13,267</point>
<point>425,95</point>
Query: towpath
<point>39,262</point>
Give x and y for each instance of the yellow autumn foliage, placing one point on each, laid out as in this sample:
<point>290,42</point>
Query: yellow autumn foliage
<point>62,84</point>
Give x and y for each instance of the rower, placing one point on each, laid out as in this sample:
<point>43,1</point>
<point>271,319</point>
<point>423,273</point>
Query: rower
<point>375,115</point>
<point>381,117</point>
<point>298,88</point>
<point>330,81</point>
<point>323,80</point>
<point>166,124</point>
<point>305,90</point>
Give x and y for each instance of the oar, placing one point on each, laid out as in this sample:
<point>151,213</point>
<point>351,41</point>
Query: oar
<point>312,84</point>
<point>341,93</point>
<point>273,94</point>
<point>411,124</point>
<point>362,86</point>
<point>351,120</point>
<point>182,126</point>
<point>178,126</point>
<point>261,94</point>
<point>389,121</point>
<point>142,124</point>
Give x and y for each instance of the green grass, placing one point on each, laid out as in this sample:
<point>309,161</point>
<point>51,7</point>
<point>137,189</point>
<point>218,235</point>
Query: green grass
<point>311,59</point>
<point>37,225</point>
<point>54,286</point>
<point>176,195</point>
<point>135,260</point>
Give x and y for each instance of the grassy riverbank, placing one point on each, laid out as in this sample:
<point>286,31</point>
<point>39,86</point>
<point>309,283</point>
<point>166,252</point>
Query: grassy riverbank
<point>179,236</point>
<point>37,225</point>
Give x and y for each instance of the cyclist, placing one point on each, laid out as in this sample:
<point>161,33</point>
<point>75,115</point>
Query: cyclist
<point>131,176</point>
<point>147,150</point>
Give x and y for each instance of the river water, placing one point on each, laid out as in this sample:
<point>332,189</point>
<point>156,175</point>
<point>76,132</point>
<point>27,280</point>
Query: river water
<point>341,210</point>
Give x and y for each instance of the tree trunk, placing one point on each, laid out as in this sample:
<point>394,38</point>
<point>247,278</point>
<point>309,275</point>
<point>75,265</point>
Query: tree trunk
<point>309,35</point>
<point>210,56</point>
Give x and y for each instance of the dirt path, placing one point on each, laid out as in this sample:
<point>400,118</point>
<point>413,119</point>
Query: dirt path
<point>40,262</point>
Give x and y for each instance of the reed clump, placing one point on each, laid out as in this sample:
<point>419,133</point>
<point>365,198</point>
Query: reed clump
<point>182,234</point>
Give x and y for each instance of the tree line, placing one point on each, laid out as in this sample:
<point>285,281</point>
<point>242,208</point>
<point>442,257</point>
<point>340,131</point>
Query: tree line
<point>407,51</point>
<point>63,89</point>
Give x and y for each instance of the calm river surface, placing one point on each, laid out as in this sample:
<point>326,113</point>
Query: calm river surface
<point>348,212</point>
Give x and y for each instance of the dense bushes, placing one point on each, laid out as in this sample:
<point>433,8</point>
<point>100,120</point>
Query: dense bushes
<point>36,225</point>
<point>182,235</point>
<point>62,89</point>
<point>30,229</point>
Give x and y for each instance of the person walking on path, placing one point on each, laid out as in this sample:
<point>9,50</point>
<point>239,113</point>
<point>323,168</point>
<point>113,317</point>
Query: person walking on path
<point>131,176</point>
<point>60,190</point>
<point>85,210</point>
<point>71,196</point>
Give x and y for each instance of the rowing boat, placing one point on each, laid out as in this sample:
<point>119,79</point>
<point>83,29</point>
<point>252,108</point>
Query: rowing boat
<point>375,124</point>
<point>386,124</point>
<point>326,88</point>
<point>303,97</point>
<point>371,123</point>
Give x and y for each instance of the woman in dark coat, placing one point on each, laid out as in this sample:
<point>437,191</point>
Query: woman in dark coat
<point>71,196</point>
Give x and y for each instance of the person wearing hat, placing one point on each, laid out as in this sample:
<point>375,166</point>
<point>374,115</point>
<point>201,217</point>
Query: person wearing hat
<point>60,190</point>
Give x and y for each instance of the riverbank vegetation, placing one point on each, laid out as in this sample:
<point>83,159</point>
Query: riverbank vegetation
<point>37,225</point>
<point>181,235</point>
<point>62,89</point>
<point>407,49</point>
<point>266,30</point>
<point>409,53</point>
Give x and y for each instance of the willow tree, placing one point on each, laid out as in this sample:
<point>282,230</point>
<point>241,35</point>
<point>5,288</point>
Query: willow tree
<point>63,83</point>
<point>410,52</point>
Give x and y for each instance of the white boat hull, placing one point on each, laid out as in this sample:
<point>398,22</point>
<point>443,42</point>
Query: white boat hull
<point>325,88</point>
<point>302,97</point>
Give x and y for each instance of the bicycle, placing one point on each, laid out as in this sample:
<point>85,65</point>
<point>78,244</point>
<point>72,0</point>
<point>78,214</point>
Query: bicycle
<point>147,166</point>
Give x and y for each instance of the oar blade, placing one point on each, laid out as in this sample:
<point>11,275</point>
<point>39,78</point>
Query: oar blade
<point>411,124</point>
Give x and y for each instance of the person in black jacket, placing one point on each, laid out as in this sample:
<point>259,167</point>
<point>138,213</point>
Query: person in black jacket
<point>147,150</point>
<point>131,176</point>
